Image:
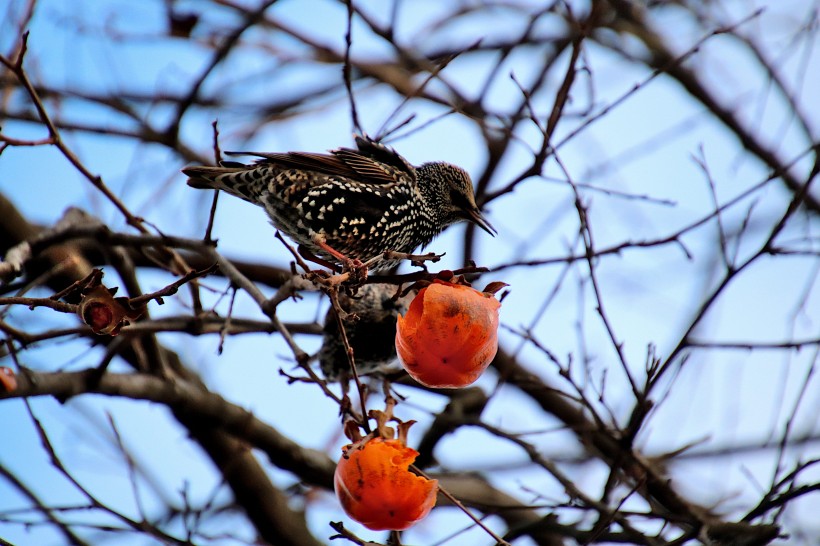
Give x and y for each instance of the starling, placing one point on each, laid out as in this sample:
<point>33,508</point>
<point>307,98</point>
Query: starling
<point>353,204</point>
<point>372,335</point>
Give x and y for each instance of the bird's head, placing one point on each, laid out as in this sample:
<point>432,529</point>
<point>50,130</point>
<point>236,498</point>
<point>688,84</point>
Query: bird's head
<point>450,189</point>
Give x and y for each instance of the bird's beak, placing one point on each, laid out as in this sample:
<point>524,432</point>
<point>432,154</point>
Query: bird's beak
<point>478,219</point>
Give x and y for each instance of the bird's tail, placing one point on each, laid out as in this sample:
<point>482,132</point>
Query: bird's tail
<point>226,177</point>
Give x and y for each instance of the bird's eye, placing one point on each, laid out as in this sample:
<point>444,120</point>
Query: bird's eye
<point>460,200</point>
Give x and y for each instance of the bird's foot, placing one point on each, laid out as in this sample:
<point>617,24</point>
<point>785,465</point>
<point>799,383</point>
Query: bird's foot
<point>356,271</point>
<point>353,276</point>
<point>353,271</point>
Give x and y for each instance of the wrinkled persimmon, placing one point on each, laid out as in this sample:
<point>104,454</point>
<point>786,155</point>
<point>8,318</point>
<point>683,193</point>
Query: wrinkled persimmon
<point>449,335</point>
<point>104,313</point>
<point>8,382</point>
<point>376,488</point>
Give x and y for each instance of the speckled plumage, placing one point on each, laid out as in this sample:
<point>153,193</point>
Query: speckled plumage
<point>372,336</point>
<point>361,203</point>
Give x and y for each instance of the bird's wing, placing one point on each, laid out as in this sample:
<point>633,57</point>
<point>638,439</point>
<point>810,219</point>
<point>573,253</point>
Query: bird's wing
<point>383,154</point>
<point>370,170</point>
<point>320,163</point>
<point>372,163</point>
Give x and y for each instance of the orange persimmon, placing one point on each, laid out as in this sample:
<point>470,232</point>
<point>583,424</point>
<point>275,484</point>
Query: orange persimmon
<point>449,335</point>
<point>376,488</point>
<point>8,382</point>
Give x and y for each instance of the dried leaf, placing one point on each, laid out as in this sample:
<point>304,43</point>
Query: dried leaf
<point>494,287</point>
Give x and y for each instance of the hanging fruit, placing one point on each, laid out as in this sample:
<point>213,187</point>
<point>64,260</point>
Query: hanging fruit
<point>449,335</point>
<point>100,310</point>
<point>373,480</point>
<point>376,488</point>
<point>8,382</point>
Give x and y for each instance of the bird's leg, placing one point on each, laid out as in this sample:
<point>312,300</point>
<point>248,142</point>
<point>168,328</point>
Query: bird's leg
<point>311,257</point>
<point>354,268</point>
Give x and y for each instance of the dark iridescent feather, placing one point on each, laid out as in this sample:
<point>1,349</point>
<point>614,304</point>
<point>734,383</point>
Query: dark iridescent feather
<point>361,203</point>
<point>372,336</point>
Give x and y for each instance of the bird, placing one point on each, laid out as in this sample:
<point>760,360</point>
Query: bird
<point>372,335</point>
<point>350,204</point>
